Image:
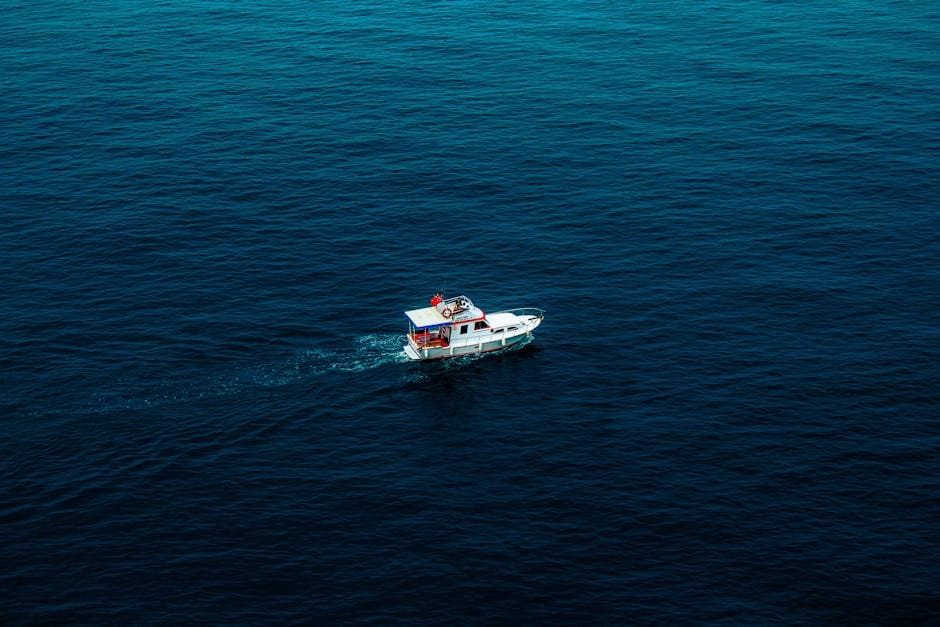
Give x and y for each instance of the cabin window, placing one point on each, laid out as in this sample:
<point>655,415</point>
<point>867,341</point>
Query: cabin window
<point>463,329</point>
<point>512,328</point>
<point>480,325</point>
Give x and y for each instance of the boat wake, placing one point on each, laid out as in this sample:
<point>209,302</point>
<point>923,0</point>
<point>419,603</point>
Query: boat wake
<point>369,352</point>
<point>309,366</point>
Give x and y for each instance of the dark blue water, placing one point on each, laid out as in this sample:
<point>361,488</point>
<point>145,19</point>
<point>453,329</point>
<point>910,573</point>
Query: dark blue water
<point>214,214</point>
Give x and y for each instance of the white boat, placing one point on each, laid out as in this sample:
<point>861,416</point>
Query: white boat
<point>455,326</point>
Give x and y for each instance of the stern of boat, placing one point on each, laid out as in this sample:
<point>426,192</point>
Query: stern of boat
<point>411,353</point>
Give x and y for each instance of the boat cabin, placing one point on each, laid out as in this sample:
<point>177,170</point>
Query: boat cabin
<point>434,326</point>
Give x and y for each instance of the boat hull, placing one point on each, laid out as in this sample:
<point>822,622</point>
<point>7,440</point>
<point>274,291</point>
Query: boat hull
<point>426,354</point>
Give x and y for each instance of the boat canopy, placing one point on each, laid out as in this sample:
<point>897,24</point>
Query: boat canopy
<point>426,317</point>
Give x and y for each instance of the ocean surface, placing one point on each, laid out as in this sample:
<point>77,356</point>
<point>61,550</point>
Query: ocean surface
<point>214,214</point>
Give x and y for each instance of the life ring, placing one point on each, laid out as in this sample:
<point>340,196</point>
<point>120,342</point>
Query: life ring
<point>447,313</point>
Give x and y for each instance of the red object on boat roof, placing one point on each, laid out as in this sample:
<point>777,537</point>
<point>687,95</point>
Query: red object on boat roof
<point>436,300</point>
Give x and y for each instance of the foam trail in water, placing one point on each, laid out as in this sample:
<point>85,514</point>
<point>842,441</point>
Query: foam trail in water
<point>373,350</point>
<point>366,353</point>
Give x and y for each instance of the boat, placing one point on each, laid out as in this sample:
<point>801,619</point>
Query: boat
<point>451,327</point>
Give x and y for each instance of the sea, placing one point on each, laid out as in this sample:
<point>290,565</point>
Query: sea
<point>213,215</point>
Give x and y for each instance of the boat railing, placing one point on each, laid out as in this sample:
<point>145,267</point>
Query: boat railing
<point>527,311</point>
